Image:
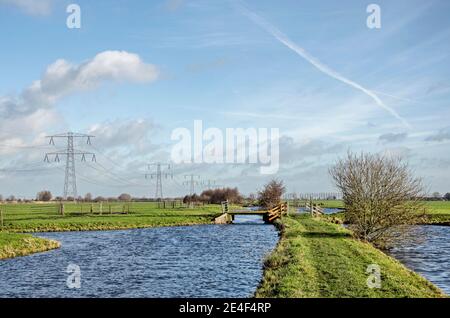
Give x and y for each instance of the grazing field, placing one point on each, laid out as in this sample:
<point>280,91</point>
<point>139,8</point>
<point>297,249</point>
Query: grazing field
<point>13,245</point>
<point>438,211</point>
<point>79,217</point>
<point>316,258</point>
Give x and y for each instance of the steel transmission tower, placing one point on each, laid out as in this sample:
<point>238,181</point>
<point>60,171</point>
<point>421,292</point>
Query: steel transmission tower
<point>209,184</point>
<point>191,182</point>
<point>160,173</point>
<point>70,180</point>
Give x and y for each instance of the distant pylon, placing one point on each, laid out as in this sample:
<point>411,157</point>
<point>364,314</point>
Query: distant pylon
<point>159,176</point>
<point>209,184</point>
<point>70,179</point>
<point>192,182</point>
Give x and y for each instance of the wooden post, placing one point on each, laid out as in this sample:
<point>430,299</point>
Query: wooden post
<point>61,208</point>
<point>311,205</point>
<point>101,207</point>
<point>92,208</point>
<point>1,218</point>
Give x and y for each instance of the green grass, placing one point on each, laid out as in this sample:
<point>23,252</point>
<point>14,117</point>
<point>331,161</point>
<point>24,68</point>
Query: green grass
<point>46,218</point>
<point>438,211</point>
<point>315,258</point>
<point>13,245</point>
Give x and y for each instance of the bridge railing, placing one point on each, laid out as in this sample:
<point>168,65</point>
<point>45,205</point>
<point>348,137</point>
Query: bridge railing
<point>314,208</point>
<point>278,211</point>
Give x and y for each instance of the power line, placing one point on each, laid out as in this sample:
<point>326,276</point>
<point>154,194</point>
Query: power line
<point>108,173</point>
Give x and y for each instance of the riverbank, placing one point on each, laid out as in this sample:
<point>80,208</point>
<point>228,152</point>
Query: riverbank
<point>31,219</point>
<point>437,212</point>
<point>22,219</point>
<point>316,258</point>
<point>14,245</point>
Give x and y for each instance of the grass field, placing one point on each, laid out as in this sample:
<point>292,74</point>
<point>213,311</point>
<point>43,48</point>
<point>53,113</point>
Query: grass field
<point>78,217</point>
<point>13,245</point>
<point>316,258</point>
<point>438,211</point>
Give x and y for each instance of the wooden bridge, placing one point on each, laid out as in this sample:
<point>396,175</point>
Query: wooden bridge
<point>269,216</point>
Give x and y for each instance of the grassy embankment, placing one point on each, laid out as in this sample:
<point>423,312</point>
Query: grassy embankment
<point>46,218</point>
<point>316,258</point>
<point>438,212</point>
<point>23,218</point>
<point>13,245</point>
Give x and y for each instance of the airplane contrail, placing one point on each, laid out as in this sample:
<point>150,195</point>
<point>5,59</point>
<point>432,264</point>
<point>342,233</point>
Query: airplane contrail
<point>284,39</point>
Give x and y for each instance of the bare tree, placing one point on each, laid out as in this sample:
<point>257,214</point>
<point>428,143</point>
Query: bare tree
<point>124,197</point>
<point>44,196</point>
<point>381,196</point>
<point>88,197</point>
<point>271,194</point>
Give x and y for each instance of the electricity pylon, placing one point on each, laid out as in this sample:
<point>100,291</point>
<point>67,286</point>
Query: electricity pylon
<point>209,184</point>
<point>159,176</point>
<point>70,179</point>
<point>192,182</point>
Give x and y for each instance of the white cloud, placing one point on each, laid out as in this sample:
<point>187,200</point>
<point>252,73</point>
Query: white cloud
<point>442,135</point>
<point>33,7</point>
<point>31,112</point>
<point>393,137</point>
<point>63,78</point>
<point>120,133</point>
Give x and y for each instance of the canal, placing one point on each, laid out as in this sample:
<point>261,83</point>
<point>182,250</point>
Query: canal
<point>428,254</point>
<point>193,261</point>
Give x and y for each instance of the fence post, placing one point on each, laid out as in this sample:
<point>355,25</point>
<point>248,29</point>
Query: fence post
<point>1,218</point>
<point>101,207</point>
<point>61,208</point>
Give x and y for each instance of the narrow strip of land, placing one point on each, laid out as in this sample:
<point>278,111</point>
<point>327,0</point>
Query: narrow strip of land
<point>315,258</point>
<point>13,245</point>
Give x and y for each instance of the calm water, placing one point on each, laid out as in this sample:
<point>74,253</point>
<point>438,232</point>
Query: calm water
<point>196,261</point>
<point>429,255</point>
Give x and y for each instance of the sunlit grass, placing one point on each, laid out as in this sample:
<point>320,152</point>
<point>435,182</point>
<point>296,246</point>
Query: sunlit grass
<point>13,245</point>
<point>318,259</point>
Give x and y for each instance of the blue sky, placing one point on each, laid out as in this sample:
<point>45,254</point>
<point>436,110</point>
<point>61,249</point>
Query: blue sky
<point>211,60</point>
